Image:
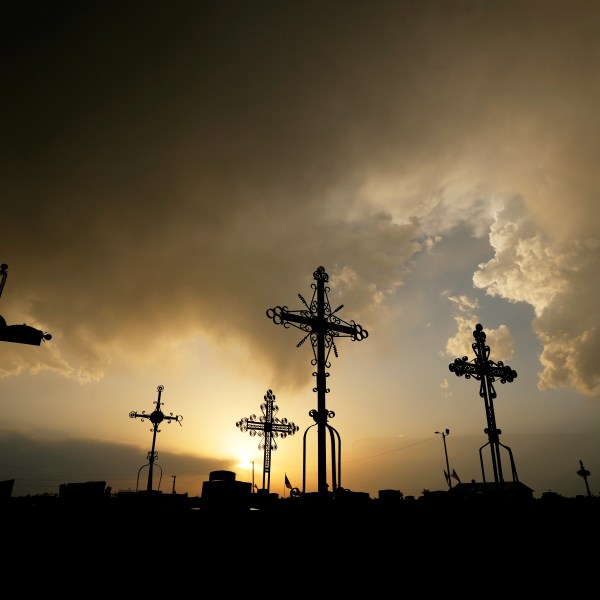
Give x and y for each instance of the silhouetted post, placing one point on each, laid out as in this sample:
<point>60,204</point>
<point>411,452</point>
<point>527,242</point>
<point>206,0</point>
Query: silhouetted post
<point>322,325</point>
<point>156,418</point>
<point>448,478</point>
<point>18,334</point>
<point>583,472</point>
<point>486,371</point>
<point>267,427</point>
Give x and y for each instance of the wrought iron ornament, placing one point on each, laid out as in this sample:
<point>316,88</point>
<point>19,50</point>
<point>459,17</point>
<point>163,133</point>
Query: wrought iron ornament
<point>322,326</point>
<point>268,427</point>
<point>156,418</point>
<point>486,371</point>
<point>18,334</point>
<point>318,320</point>
<point>583,472</point>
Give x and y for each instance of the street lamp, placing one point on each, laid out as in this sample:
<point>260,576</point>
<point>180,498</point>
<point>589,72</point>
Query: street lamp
<point>18,334</point>
<point>444,434</point>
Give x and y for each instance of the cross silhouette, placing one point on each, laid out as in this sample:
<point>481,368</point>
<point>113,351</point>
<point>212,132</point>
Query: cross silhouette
<point>322,326</point>
<point>486,372</point>
<point>583,472</point>
<point>156,418</point>
<point>267,427</point>
<point>18,334</point>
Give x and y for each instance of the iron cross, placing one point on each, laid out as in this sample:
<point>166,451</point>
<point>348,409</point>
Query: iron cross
<point>267,427</point>
<point>18,334</point>
<point>583,472</point>
<point>322,325</point>
<point>487,371</point>
<point>156,418</point>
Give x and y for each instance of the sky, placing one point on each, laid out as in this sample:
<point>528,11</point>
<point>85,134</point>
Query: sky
<point>169,172</point>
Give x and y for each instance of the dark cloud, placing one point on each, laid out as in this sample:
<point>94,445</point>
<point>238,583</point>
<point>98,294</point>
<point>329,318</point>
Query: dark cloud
<point>40,465</point>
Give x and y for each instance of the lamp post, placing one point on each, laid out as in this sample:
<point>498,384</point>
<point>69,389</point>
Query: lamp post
<point>444,434</point>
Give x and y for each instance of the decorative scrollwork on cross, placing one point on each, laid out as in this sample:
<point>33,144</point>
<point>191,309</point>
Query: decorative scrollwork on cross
<point>487,371</point>
<point>268,427</point>
<point>583,472</point>
<point>322,326</point>
<point>318,321</point>
<point>156,417</point>
<point>18,334</point>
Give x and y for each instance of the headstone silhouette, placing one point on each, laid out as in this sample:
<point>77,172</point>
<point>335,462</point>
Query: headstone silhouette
<point>268,427</point>
<point>486,372</point>
<point>156,418</point>
<point>321,325</point>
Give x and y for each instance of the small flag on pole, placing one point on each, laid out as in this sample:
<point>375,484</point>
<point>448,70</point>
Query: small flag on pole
<point>455,476</point>
<point>288,485</point>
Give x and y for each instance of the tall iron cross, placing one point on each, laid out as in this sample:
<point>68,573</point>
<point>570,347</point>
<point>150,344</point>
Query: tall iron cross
<point>322,326</point>
<point>486,372</point>
<point>156,418</point>
<point>267,427</point>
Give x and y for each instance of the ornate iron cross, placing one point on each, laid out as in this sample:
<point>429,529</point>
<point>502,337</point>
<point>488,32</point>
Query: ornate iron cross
<point>583,472</point>
<point>322,325</point>
<point>486,372</point>
<point>18,334</point>
<point>267,427</point>
<point>156,418</point>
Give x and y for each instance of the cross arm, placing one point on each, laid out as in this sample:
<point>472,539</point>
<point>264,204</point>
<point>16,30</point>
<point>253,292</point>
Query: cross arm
<point>251,425</point>
<point>22,334</point>
<point>285,428</point>
<point>493,370</point>
<point>280,315</point>
<point>464,367</point>
<point>172,417</point>
<point>18,334</point>
<point>502,372</point>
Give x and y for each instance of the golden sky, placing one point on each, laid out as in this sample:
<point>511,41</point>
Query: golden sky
<point>171,172</point>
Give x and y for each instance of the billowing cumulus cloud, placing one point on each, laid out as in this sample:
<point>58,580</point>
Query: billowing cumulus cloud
<point>558,280</point>
<point>568,328</point>
<point>460,344</point>
<point>526,267</point>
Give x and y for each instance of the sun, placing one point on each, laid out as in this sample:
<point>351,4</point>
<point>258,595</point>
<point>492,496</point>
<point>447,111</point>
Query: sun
<point>245,461</point>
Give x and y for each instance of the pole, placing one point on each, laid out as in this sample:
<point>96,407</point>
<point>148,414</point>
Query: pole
<point>444,434</point>
<point>253,477</point>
